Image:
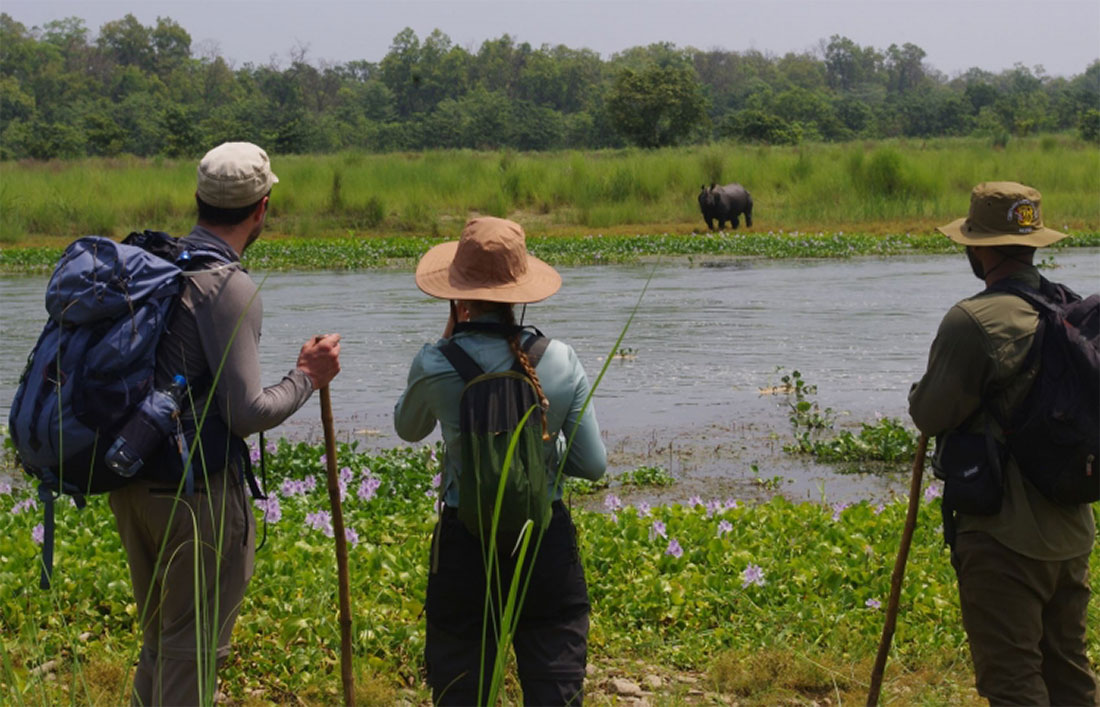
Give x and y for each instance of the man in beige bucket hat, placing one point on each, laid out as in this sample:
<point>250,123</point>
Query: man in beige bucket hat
<point>215,329</point>
<point>1021,560</point>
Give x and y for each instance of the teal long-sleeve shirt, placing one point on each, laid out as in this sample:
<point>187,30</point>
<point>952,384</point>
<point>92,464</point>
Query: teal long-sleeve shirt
<point>434,388</point>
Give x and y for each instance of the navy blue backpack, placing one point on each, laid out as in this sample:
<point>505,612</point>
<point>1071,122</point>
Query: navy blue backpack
<point>94,362</point>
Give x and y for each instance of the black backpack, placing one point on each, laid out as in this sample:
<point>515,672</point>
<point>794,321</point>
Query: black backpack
<point>493,406</point>
<point>1054,434</point>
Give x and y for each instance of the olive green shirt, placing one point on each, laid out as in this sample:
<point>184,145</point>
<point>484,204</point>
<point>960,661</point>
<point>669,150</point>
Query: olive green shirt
<point>981,346</point>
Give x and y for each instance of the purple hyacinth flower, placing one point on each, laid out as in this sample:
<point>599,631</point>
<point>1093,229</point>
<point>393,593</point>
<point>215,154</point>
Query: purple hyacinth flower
<point>321,520</point>
<point>273,513</point>
<point>752,575</point>
<point>25,504</point>
<point>657,530</point>
<point>368,487</point>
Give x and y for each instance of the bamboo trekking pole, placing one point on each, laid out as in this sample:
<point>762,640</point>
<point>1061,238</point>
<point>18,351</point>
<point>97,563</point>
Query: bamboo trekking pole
<point>341,548</point>
<point>899,573</point>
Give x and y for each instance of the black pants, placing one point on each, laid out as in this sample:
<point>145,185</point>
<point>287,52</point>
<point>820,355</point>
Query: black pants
<point>551,637</point>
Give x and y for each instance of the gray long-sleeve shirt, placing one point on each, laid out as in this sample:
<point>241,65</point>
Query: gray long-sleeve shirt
<point>215,332</point>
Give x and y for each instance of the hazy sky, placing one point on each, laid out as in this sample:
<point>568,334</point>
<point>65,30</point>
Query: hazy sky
<point>1063,36</point>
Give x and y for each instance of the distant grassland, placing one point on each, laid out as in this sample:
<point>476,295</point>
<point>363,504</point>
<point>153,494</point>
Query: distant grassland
<point>867,188</point>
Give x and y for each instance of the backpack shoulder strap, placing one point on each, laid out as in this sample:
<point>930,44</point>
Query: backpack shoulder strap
<point>181,252</point>
<point>535,347</point>
<point>1045,308</point>
<point>465,365</point>
<point>1051,297</point>
<point>197,259</point>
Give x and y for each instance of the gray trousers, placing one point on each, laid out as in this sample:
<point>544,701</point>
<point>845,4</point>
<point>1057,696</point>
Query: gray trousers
<point>178,664</point>
<point>1025,620</point>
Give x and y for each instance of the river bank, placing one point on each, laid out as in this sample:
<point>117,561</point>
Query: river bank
<point>401,252</point>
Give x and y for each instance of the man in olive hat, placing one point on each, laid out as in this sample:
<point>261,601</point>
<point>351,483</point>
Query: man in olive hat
<point>1021,559</point>
<point>213,341</point>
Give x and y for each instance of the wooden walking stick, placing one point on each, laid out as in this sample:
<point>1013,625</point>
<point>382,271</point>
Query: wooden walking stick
<point>341,548</point>
<point>899,573</point>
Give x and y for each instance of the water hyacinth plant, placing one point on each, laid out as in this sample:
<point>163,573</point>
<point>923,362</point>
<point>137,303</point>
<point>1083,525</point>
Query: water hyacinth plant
<point>647,476</point>
<point>883,445</point>
<point>688,612</point>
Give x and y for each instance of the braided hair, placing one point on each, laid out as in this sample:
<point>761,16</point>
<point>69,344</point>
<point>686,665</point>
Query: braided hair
<point>508,318</point>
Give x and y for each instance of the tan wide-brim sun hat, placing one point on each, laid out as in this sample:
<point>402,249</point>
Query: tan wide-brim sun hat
<point>488,263</point>
<point>1002,213</point>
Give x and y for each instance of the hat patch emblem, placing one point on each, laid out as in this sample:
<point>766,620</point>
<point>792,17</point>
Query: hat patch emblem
<point>1025,214</point>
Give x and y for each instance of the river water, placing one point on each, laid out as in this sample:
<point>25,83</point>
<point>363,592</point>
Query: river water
<point>705,339</point>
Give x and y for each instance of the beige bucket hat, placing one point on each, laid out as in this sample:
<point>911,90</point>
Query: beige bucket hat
<point>490,263</point>
<point>1002,213</point>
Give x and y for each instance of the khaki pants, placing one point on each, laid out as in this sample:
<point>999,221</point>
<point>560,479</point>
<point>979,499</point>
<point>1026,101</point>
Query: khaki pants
<point>1025,621</point>
<point>176,667</point>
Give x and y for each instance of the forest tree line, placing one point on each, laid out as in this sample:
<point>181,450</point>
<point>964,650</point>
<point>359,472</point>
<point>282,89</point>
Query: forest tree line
<point>142,90</point>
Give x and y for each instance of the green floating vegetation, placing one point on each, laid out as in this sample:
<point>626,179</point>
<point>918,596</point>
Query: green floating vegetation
<point>682,587</point>
<point>352,253</point>
<point>886,441</point>
<point>647,476</point>
<point>585,487</point>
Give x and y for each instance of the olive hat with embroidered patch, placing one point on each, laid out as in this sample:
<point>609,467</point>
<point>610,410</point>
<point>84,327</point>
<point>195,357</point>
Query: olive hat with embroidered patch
<point>1002,213</point>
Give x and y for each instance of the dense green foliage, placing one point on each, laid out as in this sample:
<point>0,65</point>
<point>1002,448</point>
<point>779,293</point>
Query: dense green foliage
<point>677,586</point>
<point>894,186</point>
<point>141,90</point>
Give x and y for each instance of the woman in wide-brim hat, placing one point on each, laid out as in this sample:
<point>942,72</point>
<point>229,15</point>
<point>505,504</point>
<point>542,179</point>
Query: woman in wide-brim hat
<point>484,274</point>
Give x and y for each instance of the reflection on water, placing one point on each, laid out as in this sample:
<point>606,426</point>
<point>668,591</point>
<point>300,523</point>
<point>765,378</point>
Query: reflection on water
<point>704,340</point>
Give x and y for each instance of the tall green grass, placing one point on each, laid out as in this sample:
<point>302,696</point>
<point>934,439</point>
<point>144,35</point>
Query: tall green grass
<point>433,193</point>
